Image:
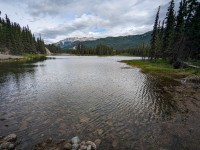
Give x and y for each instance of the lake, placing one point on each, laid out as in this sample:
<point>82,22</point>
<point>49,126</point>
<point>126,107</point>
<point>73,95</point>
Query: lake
<point>93,98</point>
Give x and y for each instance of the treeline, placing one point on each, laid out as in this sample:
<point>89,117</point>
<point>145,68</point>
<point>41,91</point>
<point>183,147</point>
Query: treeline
<point>99,49</point>
<point>54,49</point>
<point>18,40</point>
<point>136,51</point>
<point>178,38</point>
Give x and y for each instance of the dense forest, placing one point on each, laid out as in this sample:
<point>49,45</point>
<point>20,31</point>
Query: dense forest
<point>100,49</point>
<point>141,50</point>
<point>122,42</point>
<point>177,38</point>
<point>18,40</point>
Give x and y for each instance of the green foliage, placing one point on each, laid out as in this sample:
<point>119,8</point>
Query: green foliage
<point>169,31</point>
<point>141,50</point>
<point>33,56</point>
<point>100,49</point>
<point>118,43</point>
<point>178,39</point>
<point>18,40</point>
<point>160,67</point>
<point>155,37</point>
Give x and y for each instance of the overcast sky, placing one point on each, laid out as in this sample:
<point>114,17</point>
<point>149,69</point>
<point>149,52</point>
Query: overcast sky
<point>59,19</point>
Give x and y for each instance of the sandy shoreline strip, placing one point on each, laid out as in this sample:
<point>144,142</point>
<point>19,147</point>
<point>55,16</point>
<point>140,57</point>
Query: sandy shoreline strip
<point>4,57</point>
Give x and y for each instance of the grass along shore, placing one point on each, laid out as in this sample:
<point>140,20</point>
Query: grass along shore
<point>33,56</point>
<point>160,67</point>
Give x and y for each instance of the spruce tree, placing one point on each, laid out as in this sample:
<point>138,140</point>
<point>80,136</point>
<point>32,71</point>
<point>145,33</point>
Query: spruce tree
<point>17,40</point>
<point>178,43</point>
<point>169,31</point>
<point>195,36</point>
<point>154,37</point>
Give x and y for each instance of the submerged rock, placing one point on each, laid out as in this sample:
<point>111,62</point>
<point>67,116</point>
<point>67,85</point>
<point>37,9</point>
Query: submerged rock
<point>10,138</point>
<point>7,146</point>
<point>99,131</point>
<point>67,146</point>
<point>97,142</point>
<point>89,147</point>
<point>8,142</point>
<point>75,140</point>
<point>83,147</point>
<point>75,146</point>
<point>93,145</point>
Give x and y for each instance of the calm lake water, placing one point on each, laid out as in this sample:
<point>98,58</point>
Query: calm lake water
<point>93,98</point>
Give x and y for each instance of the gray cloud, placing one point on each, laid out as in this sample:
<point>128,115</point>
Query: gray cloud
<point>81,17</point>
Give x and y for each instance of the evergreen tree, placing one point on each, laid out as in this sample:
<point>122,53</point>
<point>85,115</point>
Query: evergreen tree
<point>17,40</point>
<point>169,31</point>
<point>154,37</point>
<point>179,31</point>
<point>195,37</point>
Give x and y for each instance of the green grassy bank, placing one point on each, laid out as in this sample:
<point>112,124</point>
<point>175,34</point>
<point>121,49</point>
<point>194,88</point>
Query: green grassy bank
<point>160,67</point>
<point>33,56</point>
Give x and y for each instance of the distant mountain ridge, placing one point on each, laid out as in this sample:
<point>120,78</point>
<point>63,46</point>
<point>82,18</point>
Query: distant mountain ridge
<point>71,42</point>
<point>121,42</point>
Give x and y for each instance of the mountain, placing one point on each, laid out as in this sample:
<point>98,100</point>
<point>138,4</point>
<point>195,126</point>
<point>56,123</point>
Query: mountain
<point>71,42</point>
<point>121,42</point>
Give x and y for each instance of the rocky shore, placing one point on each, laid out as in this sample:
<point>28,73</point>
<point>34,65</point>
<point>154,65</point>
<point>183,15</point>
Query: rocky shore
<point>10,142</point>
<point>74,144</point>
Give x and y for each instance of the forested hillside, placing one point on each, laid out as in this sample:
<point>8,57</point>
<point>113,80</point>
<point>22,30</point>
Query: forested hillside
<point>18,40</point>
<point>178,38</point>
<point>118,43</point>
<point>122,42</point>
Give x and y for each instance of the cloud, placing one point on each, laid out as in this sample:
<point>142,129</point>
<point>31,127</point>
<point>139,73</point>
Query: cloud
<point>57,19</point>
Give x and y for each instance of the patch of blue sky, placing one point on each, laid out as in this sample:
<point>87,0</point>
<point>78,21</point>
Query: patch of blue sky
<point>98,29</point>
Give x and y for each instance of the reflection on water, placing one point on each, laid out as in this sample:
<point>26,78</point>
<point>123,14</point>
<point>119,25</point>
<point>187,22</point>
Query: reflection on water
<point>92,97</point>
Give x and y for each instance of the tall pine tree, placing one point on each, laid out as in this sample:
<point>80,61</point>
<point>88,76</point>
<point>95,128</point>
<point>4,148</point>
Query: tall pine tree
<point>169,31</point>
<point>154,36</point>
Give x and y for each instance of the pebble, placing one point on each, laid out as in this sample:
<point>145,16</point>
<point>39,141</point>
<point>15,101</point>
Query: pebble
<point>83,147</point>
<point>97,142</point>
<point>83,143</point>
<point>9,143</point>
<point>67,146</point>
<point>75,140</point>
<point>11,147</point>
<point>5,145</point>
<point>92,144</point>
<point>89,147</point>
<point>75,146</point>
<point>49,140</point>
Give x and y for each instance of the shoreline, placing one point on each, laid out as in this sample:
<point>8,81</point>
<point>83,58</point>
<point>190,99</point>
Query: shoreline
<point>10,58</point>
<point>161,68</point>
<point>11,142</point>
